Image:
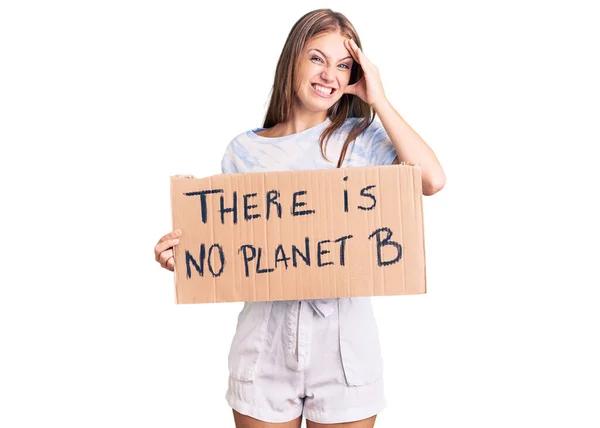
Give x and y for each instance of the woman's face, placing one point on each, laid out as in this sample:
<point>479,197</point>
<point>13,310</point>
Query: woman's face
<point>323,72</point>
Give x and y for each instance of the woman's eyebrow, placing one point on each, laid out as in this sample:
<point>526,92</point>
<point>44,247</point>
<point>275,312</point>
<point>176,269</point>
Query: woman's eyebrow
<point>326,57</point>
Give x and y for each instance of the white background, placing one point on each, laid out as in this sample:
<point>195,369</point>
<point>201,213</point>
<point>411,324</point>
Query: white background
<point>102,101</point>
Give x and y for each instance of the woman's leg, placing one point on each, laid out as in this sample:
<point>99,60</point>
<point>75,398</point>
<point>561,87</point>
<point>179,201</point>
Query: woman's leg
<point>330,399</point>
<point>272,396</point>
<point>243,421</point>
<point>365,423</point>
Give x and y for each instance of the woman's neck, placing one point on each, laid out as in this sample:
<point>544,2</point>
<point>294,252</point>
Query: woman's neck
<point>297,123</point>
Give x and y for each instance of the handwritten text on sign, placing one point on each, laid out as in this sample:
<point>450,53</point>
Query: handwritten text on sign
<point>233,208</point>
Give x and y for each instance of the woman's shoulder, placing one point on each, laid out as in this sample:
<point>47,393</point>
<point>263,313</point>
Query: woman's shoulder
<point>242,136</point>
<point>240,140</point>
<point>234,151</point>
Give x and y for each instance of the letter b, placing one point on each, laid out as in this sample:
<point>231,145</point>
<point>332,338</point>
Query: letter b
<point>386,241</point>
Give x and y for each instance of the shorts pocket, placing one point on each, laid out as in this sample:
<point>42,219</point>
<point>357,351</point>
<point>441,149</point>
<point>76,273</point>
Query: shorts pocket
<point>360,348</point>
<point>248,340</point>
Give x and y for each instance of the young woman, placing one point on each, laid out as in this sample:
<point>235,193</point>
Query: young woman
<point>319,359</point>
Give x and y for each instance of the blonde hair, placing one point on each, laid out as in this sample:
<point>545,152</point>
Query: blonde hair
<point>313,24</point>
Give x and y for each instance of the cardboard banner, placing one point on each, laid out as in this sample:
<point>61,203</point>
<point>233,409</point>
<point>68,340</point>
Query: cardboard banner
<point>294,235</point>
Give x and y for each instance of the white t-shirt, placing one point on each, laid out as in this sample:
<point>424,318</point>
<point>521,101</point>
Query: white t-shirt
<point>249,152</point>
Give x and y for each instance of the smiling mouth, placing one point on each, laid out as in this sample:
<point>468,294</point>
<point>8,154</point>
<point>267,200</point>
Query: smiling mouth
<point>322,90</point>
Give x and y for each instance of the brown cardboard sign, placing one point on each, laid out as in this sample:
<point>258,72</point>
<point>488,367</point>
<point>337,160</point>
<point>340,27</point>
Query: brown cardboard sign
<point>294,235</point>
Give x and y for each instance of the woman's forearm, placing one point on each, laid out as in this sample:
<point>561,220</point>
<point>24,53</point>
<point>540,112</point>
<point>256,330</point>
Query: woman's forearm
<point>410,147</point>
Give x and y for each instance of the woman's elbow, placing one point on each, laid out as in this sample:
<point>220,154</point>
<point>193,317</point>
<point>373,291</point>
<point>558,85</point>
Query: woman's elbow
<point>434,185</point>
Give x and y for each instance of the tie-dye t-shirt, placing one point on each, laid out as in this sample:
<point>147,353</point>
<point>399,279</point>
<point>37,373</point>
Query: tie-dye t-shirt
<point>249,152</point>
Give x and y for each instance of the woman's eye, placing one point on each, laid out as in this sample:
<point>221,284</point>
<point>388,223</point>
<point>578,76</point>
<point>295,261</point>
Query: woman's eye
<point>319,59</point>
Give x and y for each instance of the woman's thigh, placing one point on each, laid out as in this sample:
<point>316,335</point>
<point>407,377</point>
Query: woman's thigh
<point>243,421</point>
<point>365,423</point>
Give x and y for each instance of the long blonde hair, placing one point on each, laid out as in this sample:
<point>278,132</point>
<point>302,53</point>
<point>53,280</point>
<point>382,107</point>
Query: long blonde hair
<point>310,25</point>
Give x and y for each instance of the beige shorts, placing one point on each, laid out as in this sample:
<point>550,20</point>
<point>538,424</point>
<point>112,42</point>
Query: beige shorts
<point>286,361</point>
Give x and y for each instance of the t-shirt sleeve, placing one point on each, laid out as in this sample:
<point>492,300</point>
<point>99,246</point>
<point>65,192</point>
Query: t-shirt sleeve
<point>381,148</point>
<point>228,161</point>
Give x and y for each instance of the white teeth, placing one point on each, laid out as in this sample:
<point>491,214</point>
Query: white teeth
<point>326,91</point>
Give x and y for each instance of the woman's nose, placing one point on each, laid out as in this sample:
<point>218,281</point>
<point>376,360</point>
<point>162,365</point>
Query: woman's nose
<point>327,74</point>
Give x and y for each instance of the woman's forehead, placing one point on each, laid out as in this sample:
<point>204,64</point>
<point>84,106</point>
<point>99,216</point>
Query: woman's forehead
<point>331,45</point>
<point>326,39</point>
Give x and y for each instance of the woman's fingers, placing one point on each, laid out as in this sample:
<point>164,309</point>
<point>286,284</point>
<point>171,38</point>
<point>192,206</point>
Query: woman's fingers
<point>164,258</point>
<point>359,56</point>
<point>351,49</point>
<point>163,250</point>
<point>162,246</point>
<point>359,53</point>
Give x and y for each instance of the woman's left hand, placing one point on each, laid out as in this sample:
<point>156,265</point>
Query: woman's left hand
<point>369,88</point>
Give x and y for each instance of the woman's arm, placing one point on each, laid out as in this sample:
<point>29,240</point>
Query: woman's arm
<point>411,147</point>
